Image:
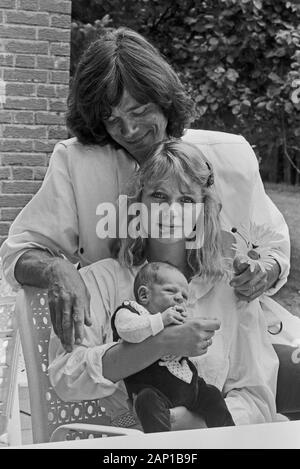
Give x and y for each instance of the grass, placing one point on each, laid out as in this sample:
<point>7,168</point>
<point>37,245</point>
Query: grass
<point>287,199</point>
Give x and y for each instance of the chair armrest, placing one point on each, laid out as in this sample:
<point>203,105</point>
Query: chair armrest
<point>61,432</point>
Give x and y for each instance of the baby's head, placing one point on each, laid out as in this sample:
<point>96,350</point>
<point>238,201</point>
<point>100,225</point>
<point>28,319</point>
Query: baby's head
<point>159,285</point>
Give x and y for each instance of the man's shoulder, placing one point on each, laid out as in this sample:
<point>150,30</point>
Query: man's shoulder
<point>73,148</point>
<point>228,153</point>
<point>211,137</point>
<point>75,154</point>
<point>72,145</point>
<point>69,142</point>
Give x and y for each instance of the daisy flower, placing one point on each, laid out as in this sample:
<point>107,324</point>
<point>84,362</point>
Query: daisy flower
<point>254,245</point>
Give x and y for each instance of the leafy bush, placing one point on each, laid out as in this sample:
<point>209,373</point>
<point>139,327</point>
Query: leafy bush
<point>240,59</point>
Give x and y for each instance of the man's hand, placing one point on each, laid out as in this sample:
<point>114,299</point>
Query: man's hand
<point>250,285</point>
<point>173,315</point>
<point>69,302</point>
<point>68,297</point>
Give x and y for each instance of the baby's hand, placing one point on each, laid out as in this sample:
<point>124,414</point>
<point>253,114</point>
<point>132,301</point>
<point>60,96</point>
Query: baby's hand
<point>174,315</point>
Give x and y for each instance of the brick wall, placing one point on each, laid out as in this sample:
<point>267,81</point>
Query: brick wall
<point>34,77</point>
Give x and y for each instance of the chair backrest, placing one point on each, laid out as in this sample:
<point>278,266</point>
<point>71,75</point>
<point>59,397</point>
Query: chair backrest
<point>48,411</point>
<point>9,354</point>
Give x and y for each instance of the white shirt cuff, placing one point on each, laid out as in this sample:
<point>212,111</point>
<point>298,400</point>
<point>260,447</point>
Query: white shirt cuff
<point>156,323</point>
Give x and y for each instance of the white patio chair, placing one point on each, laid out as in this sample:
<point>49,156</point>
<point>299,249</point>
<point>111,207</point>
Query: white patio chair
<point>52,418</point>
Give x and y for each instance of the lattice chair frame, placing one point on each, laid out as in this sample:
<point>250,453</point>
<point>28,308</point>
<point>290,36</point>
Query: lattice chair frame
<point>9,354</point>
<point>52,418</point>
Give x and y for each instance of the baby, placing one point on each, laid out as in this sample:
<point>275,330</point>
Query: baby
<point>161,293</point>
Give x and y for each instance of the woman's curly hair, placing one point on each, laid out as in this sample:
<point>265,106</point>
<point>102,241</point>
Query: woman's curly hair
<point>123,59</point>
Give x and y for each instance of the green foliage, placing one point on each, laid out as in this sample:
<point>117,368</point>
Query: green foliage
<point>240,59</point>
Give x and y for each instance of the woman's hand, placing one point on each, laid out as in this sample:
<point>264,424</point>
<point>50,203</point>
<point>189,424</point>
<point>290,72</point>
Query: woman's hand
<point>69,302</point>
<point>190,339</point>
<point>250,285</point>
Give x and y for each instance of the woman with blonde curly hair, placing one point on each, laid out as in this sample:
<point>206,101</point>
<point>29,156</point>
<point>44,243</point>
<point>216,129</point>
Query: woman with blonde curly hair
<point>178,161</point>
<point>226,339</point>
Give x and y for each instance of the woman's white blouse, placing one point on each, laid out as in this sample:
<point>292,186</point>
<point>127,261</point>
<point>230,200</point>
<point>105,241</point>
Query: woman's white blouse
<point>241,361</point>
